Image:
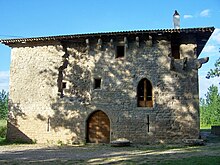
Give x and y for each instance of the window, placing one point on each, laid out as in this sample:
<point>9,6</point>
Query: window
<point>175,51</point>
<point>144,94</point>
<point>97,83</point>
<point>63,85</point>
<point>120,51</point>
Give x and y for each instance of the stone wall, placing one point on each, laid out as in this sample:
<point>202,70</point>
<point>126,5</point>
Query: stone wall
<point>41,110</point>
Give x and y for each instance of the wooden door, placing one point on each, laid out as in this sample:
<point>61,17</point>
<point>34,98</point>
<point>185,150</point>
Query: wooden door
<point>98,128</point>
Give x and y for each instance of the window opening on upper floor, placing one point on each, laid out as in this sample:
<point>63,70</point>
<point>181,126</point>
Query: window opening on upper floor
<point>120,51</point>
<point>144,94</point>
<point>63,85</point>
<point>97,83</point>
<point>175,50</point>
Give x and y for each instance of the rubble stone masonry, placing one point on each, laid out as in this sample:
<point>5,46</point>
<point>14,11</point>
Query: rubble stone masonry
<point>52,89</point>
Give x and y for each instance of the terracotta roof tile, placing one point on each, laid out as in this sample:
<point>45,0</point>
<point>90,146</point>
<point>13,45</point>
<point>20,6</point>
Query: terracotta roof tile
<point>66,37</point>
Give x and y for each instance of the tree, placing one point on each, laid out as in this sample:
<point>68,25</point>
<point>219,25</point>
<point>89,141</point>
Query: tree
<point>210,107</point>
<point>3,104</point>
<point>216,71</point>
<point>204,113</point>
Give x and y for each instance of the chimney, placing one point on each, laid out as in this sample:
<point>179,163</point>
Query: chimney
<point>176,20</point>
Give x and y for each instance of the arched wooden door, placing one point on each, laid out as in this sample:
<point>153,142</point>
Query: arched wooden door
<point>98,128</point>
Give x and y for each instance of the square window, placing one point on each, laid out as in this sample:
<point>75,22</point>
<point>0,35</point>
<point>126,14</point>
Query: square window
<point>97,83</point>
<point>120,51</point>
<point>63,85</point>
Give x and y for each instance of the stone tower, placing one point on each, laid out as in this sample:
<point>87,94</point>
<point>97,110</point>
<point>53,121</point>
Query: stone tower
<point>138,85</point>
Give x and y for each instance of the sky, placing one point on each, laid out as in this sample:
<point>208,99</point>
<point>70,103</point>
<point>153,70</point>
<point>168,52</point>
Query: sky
<point>35,18</point>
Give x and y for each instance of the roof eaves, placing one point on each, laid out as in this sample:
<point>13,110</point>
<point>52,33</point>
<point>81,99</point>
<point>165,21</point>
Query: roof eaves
<point>60,37</point>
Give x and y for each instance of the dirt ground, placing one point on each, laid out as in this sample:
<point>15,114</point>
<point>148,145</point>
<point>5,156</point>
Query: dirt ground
<point>103,154</point>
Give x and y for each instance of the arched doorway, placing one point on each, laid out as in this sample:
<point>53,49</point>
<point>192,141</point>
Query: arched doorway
<point>98,128</point>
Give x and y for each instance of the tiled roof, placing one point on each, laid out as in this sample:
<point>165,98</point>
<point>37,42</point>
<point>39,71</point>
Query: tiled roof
<point>75,36</point>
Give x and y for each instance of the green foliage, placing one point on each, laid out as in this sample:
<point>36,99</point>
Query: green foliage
<point>3,128</point>
<point>210,107</point>
<point>3,132</point>
<point>3,104</point>
<point>216,71</point>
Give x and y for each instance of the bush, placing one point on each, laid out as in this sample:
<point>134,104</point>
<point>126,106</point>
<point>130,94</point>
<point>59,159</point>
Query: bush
<point>3,128</point>
<point>3,104</point>
<point>3,131</point>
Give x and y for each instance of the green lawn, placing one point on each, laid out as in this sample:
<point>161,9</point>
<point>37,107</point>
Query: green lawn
<point>205,127</point>
<point>201,160</point>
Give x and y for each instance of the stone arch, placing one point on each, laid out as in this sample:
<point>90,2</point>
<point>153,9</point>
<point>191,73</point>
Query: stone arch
<point>144,93</point>
<point>98,127</point>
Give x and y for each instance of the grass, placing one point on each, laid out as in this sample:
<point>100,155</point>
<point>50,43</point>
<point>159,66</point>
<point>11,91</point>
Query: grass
<point>214,160</point>
<point>206,128</point>
<point>212,139</point>
<point>202,127</point>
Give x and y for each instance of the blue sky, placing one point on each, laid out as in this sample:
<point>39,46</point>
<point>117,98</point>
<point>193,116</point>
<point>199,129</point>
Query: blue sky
<point>32,18</point>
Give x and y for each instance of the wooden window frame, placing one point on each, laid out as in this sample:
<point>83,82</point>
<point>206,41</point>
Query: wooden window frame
<point>147,99</point>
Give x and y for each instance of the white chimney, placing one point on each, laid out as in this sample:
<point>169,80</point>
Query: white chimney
<point>176,20</point>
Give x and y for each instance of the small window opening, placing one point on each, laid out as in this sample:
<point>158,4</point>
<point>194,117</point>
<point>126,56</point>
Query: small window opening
<point>175,51</point>
<point>48,124</point>
<point>63,85</point>
<point>148,123</point>
<point>120,52</point>
<point>97,83</point>
<point>144,94</point>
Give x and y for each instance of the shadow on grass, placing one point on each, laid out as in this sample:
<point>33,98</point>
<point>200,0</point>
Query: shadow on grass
<point>213,139</point>
<point>205,133</point>
<point>205,130</point>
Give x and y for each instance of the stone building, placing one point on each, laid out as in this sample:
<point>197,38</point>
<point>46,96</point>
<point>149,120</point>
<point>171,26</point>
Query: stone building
<point>99,87</point>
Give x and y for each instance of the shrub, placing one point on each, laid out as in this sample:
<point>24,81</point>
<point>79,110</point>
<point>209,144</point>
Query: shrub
<point>3,104</point>
<point>3,130</point>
